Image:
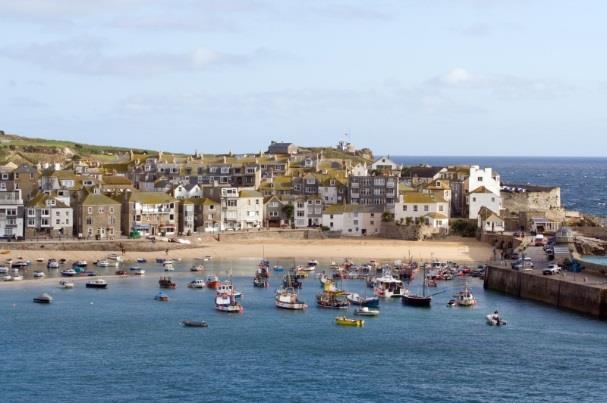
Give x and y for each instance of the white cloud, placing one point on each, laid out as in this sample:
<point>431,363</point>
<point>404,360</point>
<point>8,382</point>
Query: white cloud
<point>458,77</point>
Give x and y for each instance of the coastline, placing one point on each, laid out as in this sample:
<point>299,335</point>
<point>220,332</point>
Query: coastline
<point>463,250</point>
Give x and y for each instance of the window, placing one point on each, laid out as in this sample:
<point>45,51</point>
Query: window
<point>100,210</point>
<point>404,207</point>
<point>57,221</point>
<point>426,207</point>
<point>440,207</point>
<point>31,212</point>
<point>493,199</point>
<point>300,214</point>
<point>415,207</point>
<point>89,220</point>
<point>67,221</point>
<point>31,222</point>
<point>90,210</point>
<point>372,222</point>
<point>355,222</point>
<point>474,199</point>
<point>480,178</point>
<point>232,203</point>
<point>111,210</point>
<point>58,213</point>
<point>4,176</point>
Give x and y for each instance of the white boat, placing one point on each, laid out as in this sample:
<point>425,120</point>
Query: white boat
<point>39,274</point>
<point>286,298</point>
<point>197,267</point>
<point>66,284</point>
<point>311,266</point>
<point>18,277</point>
<point>81,263</point>
<point>387,286</point>
<point>69,272</point>
<point>197,284</point>
<point>168,266</point>
<point>494,319</point>
<point>364,311</point>
<point>136,270</point>
<point>7,278</point>
<point>3,269</point>
<point>465,298</point>
<point>103,263</point>
<point>227,288</point>
<point>97,283</point>
<point>52,264</point>
<point>115,257</point>
<point>227,303</point>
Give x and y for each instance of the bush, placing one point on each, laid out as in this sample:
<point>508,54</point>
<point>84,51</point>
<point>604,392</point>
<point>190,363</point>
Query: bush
<point>464,228</point>
<point>325,229</point>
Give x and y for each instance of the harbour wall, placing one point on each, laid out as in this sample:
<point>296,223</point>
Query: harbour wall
<point>551,290</point>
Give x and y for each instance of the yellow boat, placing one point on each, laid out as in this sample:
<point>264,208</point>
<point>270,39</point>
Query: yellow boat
<point>343,321</point>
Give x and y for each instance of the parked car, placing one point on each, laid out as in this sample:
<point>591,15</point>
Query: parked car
<point>515,256</point>
<point>553,268</point>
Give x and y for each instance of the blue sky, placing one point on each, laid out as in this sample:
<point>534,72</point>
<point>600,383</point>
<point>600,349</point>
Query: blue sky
<point>434,77</point>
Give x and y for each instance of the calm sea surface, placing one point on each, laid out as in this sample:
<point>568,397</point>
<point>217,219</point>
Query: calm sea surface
<point>119,345</point>
<point>583,181</point>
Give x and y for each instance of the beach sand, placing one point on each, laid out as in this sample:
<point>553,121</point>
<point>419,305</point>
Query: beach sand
<point>462,250</point>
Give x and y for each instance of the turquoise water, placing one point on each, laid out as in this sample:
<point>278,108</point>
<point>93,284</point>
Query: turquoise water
<point>596,259</point>
<point>121,345</point>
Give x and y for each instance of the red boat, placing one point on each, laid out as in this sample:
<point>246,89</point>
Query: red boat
<point>213,282</point>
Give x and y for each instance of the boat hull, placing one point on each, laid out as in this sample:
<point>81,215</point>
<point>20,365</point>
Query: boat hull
<point>343,321</point>
<point>194,323</point>
<point>89,285</point>
<point>229,308</point>
<point>290,306</point>
<point>417,301</point>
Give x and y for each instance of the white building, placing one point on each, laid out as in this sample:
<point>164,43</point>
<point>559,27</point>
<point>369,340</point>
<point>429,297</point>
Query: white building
<point>483,197</point>
<point>241,210</point>
<point>48,215</point>
<point>385,164</point>
<point>189,191</point>
<point>422,208</point>
<point>490,221</point>
<point>308,212</point>
<point>11,214</point>
<point>360,170</point>
<point>482,190</point>
<point>353,220</point>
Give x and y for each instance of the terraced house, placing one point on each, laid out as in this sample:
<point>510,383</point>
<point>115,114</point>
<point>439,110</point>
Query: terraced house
<point>150,213</point>
<point>373,190</point>
<point>11,214</point>
<point>422,208</point>
<point>241,210</point>
<point>48,216</point>
<point>97,217</point>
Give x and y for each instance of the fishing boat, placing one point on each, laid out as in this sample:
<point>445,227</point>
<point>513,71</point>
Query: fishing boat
<point>19,264</point>
<point>387,286</point>
<point>52,264</point>
<point>194,323</point>
<point>260,281</point>
<point>161,297</point>
<point>227,303</point>
<point>213,282</point>
<point>343,321</point>
<point>141,260</point>
<point>166,282</point>
<point>332,299</point>
<point>368,302</point>
<point>197,284</point>
<point>423,300</point>
<point>68,272</point>
<point>43,298</point>
<point>228,288</point>
<point>289,281</point>
<point>365,311</point>
<point>168,266</point>
<point>136,270</point>
<point>197,268</point>
<point>286,298</point>
<point>66,284</point>
<point>97,283</point>
<point>311,265</point>
<point>39,274</point>
<point>465,298</point>
<point>494,319</point>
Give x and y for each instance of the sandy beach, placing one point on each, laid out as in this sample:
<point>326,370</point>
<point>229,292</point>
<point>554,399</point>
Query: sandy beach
<point>463,250</point>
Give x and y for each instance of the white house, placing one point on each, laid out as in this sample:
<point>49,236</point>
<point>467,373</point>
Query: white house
<point>482,197</point>
<point>482,190</point>
<point>189,191</point>
<point>308,212</point>
<point>423,208</point>
<point>241,210</point>
<point>385,164</point>
<point>11,214</point>
<point>360,170</point>
<point>353,220</point>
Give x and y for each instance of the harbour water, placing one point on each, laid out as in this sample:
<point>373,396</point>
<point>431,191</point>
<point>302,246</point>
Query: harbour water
<point>121,345</point>
<point>582,180</point>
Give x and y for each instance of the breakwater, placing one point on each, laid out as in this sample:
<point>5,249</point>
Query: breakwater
<point>558,291</point>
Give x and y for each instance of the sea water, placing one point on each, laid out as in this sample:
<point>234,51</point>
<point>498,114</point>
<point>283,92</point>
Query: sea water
<point>119,345</point>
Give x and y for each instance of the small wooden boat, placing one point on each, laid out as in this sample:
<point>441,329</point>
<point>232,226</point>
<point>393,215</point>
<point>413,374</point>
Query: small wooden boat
<point>494,319</point>
<point>197,268</point>
<point>343,321</point>
<point>161,297</point>
<point>369,302</point>
<point>97,283</point>
<point>166,282</point>
<point>197,284</point>
<point>194,323</point>
<point>66,284</point>
<point>364,311</point>
<point>43,298</point>
<point>39,274</point>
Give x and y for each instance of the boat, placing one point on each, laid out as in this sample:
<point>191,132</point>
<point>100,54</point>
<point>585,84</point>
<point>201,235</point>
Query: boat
<point>227,303</point>
<point>369,302</point>
<point>228,288</point>
<point>387,286</point>
<point>121,273</point>
<point>52,264</point>
<point>364,311</point>
<point>62,260</point>
<point>332,298</point>
<point>451,303</point>
<point>80,263</point>
<point>278,268</point>
<point>19,264</point>
<point>166,282</point>
<point>213,282</point>
<point>197,268</point>
<point>194,323</point>
<point>423,300</point>
<point>97,283</point>
<point>18,277</point>
<point>168,266</point>
<point>66,284</point>
<point>43,298</point>
<point>40,260</point>
<point>207,258</point>
<point>290,281</point>
<point>465,298</point>
<point>343,321</point>
<point>260,281</point>
<point>161,297</point>
<point>3,270</point>
<point>141,260</point>
<point>494,319</point>
<point>7,278</point>
<point>286,298</point>
<point>311,266</point>
<point>136,270</point>
<point>197,284</point>
<point>103,263</point>
<point>39,274</point>
<point>115,257</point>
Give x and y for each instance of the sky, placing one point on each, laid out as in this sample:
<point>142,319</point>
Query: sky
<point>403,77</point>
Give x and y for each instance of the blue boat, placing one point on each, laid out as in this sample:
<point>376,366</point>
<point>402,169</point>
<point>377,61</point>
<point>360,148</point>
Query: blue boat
<point>370,302</point>
<point>279,268</point>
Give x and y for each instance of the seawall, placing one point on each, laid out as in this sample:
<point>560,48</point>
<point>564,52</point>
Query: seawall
<point>552,290</point>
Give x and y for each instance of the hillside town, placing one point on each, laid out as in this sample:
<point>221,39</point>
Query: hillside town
<point>339,190</point>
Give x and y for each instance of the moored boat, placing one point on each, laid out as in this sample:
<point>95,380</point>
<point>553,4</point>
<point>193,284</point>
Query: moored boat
<point>213,282</point>
<point>495,319</point>
<point>168,266</point>
<point>81,263</point>
<point>365,311</point>
<point>227,303</point>
<point>332,299</point>
<point>465,298</point>
<point>39,274</point>
<point>66,284</point>
<point>343,321</point>
<point>286,298</point>
<point>278,268</point>
<point>197,268</point>
<point>387,286</point>
<point>166,282</point>
<point>311,266</point>
<point>161,297</point>
<point>423,300</point>
<point>97,283</point>
<point>17,277</point>
<point>136,270</point>
<point>103,263</point>
<point>194,323</point>
<point>43,298</point>
<point>369,302</point>
<point>141,260</point>
<point>197,284</point>
<point>52,264</point>
<point>260,281</point>
<point>228,288</point>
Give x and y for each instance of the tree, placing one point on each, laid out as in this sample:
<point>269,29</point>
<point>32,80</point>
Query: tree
<point>288,210</point>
